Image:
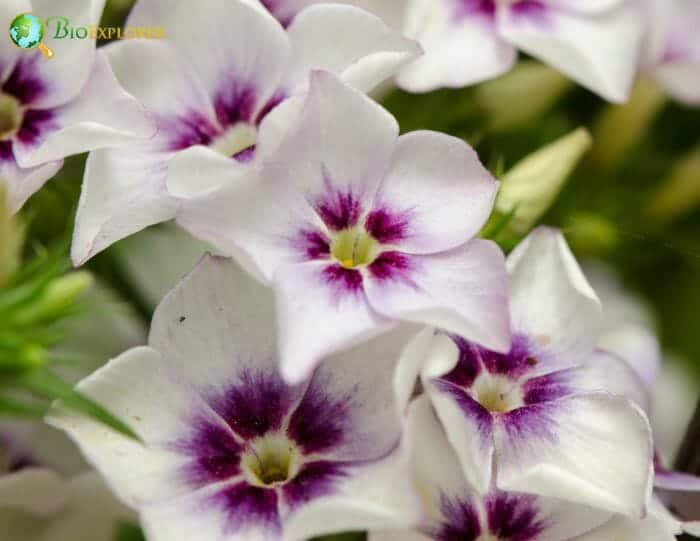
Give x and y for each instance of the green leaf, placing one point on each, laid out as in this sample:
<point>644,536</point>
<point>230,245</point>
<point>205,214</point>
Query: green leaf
<point>47,385</point>
<point>127,531</point>
<point>350,536</point>
<point>13,408</point>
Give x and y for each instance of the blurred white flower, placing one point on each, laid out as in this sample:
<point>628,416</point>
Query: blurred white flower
<point>229,450</point>
<point>357,229</point>
<point>221,103</point>
<point>672,55</point>
<point>596,43</point>
<point>551,417</point>
<point>50,109</point>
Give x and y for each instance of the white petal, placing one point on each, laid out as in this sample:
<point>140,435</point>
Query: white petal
<point>379,496</point>
<point>457,54</point>
<point>430,353</point>
<point>439,182</point>
<point>138,474</point>
<point>216,312</point>
<point>593,449</point>
<point>681,80</point>
<point>591,6</point>
<point>598,51</point>
<point>198,170</point>
<point>103,115</point>
<point>69,69</point>
<point>396,535</point>
<point>317,316</point>
<point>152,72</point>
<point>33,490</point>
<point>469,429</point>
<point>692,528</point>
<point>550,299</point>
<point>603,371</point>
<point>365,50</point>
<point>462,291</point>
<point>123,192</point>
<point>22,183</point>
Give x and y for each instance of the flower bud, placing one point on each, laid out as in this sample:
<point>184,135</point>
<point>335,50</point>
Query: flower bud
<point>532,185</point>
<point>56,299</point>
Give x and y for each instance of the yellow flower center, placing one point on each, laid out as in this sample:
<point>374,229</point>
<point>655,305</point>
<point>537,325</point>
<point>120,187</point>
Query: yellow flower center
<point>10,116</point>
<point>271,460</point>
<point>497,394</point>
<point>353,248</point>
<point>236,139</point>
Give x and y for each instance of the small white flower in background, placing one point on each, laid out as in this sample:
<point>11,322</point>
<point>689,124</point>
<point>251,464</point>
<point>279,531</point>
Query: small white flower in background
<point>230,451</point>
<point>455,511</point>
<point>50,109</point>
<point>672,56</point>
<point>525,411</point>
<point>357,228</point>
<point>218,94</point>
<point>37,504</point>
<point>595,42</point>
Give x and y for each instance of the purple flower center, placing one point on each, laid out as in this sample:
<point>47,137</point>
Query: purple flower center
<point>508,517</point>
<point>487,8</point>
<point>502,383</point>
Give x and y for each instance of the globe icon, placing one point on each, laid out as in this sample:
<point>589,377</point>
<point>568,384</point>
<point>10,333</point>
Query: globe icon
<point>27,31</point>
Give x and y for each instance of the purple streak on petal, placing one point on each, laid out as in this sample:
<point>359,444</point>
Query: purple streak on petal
<point>313,244</point>
<point>214,451</point>
<point>245,155</point>
<point>24,83</point>
<point>273,7</point>
<point>255,404</point>
<point>314,480</point>
<point>514,364</point>
<point>471,8</point>
<point>235,103</point>
<point>386,226</point>
<point>189,129</point>
<point>666,479</point>
<point>321,422</point>
<point>6,152</point>
<point>471,409</point>
<point>343,281</point>
<point>468,365</point>
<point>273,102</point>
<point>460,521</point>
<point>17,456</point>
<point>394,266</point>
<point>546,388</point>
<point>35,124</point>
<point>339,209</point>
<point>247,507</point>
<point>514,517</point>
<point>534,421</point>
<point>533,11</point>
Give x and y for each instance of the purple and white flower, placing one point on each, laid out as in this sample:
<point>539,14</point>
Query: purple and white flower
<point>50,109</point>
<point>357,228</point>
<point>673,48</point>
<point>596,42</point>
<point>549,417</point>
<point>217,99</point>
<point>229,450</point>
<point>455,511</point>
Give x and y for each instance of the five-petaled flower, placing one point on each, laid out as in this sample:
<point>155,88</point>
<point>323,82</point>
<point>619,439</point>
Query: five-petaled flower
<point>553,416</point>
<point>53,109</point>
<point>229,450</point>
<point>218,98</point>
<point>357,228</point>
